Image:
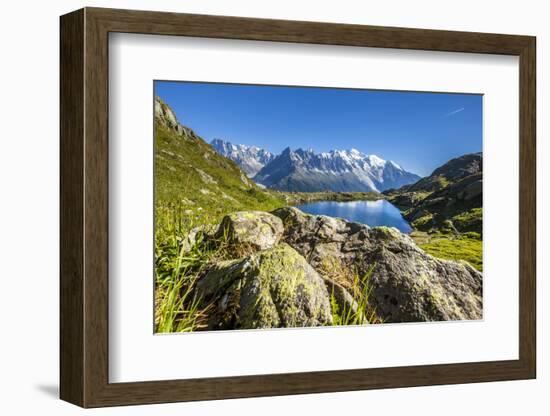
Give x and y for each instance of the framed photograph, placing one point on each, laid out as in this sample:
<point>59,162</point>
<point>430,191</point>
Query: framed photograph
<point>257,207</point>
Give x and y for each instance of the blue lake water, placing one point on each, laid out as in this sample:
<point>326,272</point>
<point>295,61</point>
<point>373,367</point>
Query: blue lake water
<point>372,213</point>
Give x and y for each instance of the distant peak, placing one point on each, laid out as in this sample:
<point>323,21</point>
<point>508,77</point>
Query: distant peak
<point>356,154</point>
<point>286,150</point>
<point>376,161</point>
<point>218,142</point>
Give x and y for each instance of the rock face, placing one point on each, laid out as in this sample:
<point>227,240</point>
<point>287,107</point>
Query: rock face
<point>165,116</point>
<point>407,285</point>
<point>472,190</point>
<point>256,229</point>
<point>268,289</point>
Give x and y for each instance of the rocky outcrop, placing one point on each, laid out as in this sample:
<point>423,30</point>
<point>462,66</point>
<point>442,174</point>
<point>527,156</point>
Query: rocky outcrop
<point>301,267</point>
<point>165,116</point>
<point>407,284</point>
<point>268,289</point>
<point>255,229</point>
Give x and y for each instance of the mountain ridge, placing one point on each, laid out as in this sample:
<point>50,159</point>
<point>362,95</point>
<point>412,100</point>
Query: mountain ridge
<point>336,170</point>
<point>251,159</point>
<point>303,170</point>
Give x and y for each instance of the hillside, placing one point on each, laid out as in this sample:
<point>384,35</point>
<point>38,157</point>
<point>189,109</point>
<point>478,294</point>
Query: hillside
<point>450,198</point>
<point>446,211</point>
<point>186,165</point>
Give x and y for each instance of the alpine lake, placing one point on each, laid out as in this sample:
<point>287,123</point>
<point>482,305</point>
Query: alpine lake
<point>372,213</point>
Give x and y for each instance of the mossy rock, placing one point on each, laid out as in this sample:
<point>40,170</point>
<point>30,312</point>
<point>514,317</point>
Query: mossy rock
<point>257,229</point>
<point>273,288</point>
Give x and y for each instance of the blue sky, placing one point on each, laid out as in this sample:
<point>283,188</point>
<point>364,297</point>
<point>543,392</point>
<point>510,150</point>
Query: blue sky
<point>419,131</point>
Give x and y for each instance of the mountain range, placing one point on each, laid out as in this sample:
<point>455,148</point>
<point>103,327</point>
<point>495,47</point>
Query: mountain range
<point>251,159</point>
<point>307,171</point>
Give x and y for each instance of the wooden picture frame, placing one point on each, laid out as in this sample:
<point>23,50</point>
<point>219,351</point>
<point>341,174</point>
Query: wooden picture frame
<point>84,207</point>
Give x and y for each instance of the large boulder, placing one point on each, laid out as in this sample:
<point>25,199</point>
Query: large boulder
<point>406,284</point>
<point>321,239</point>
<point>255,229</point>
<point>268,289</point>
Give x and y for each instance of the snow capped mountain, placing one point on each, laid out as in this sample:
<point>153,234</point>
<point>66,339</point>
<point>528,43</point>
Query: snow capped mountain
<point>307,171</point>
<point>338,170</point>
<point>250,158</point>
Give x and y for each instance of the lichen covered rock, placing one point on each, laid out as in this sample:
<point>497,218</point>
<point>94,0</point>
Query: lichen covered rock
<point>256,229</point>
<point>268,289</point>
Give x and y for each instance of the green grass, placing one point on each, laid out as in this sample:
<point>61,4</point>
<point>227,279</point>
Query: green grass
<point>423,223</point>
<point>469,220</point>
<point>179,264</point>
<point>363,313</point>
<point>467,247</point>
<point>442,181</point>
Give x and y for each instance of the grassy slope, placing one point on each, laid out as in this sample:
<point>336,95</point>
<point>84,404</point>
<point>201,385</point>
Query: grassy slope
<point>453,245</point>
<point>191,176</point>
<point>467,246</point>
<point>450,244</point>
